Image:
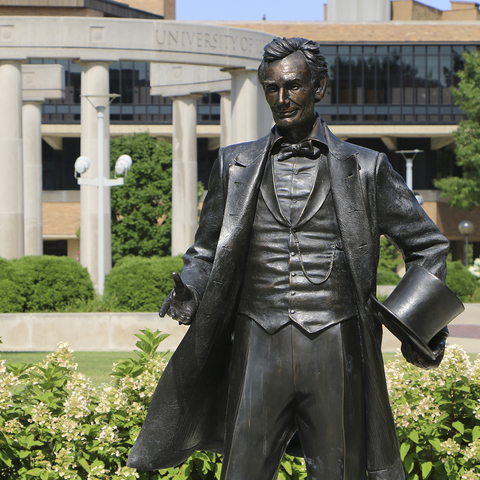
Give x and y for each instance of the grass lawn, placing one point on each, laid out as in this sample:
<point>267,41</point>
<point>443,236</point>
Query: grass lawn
<point>98,365</point>
<point>95,365</point>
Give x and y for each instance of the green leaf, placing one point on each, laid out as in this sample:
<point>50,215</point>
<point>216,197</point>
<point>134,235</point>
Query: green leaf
<point>475,433</point>
<point>435,443</point>
<point>426,469</point>
<point>282,476</point>
<point>404,449</point>
<point>34,471</point>
<point>408,463</point>
<point>5,458</point>
<point>84,464</point>
<point>413,435</point>
<point>287,466</point>
<point>458,426</point>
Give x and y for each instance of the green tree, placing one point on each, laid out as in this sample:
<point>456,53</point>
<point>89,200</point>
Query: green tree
<point>464,191</point>
<point>141,209</point>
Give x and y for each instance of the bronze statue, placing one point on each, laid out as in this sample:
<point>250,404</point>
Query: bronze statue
<point>283,352</point>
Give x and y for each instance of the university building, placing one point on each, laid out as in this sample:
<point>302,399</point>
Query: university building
<point>392,66</point>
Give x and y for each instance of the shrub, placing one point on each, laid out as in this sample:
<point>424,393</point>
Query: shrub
<point>11,298</point>
<point>390,257</point>
<point>461,281</point>
<point>55,424</point>
<point>388,261</point>
<point>387,277</point>
<point>51,283</point>
<point>140,284</point>
<point>437,413</point>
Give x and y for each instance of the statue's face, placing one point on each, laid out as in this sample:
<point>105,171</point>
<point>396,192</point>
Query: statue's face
<point>291,95</point>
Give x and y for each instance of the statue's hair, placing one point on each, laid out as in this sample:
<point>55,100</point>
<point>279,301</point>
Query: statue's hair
<point>280,48</point>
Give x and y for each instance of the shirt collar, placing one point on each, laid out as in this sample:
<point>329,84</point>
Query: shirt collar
<point>316,135</point>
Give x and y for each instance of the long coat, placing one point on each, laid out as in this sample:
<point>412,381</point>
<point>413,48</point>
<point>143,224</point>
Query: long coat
<point>187,411</point>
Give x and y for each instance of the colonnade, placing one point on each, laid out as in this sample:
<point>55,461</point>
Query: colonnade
<point>21,179</point>
<point>12,242</point>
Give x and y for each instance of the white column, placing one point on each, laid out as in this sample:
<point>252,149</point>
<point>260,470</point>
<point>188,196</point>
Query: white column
<point>11,162</point>
<point>184,172</point>
<point>251,118</point>
<point>225,118</point>
<point>32,176</point>
<point>95,81</point>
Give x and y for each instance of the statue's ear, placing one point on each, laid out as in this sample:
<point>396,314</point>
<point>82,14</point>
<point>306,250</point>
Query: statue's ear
<point>320,91</point>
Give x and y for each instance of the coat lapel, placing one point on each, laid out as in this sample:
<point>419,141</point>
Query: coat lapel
<point>245,177</point>
<point>317,195</point>
<point>269,195</point>
<point>352,215</point>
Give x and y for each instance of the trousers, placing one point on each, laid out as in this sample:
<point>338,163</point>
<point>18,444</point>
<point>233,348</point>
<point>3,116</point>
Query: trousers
<point>293,381</point>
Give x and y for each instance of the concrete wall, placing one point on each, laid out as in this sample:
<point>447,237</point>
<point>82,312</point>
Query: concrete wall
<point>87,332</point>
<point>115,332</point>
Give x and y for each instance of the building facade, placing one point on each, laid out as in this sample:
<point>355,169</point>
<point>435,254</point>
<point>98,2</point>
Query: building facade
<point>390,89</point>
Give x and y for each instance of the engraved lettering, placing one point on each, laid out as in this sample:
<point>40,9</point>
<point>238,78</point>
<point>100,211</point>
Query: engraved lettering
<point>191,40</point>
<point>173,37</point>
<point>161,36</point>
<point>199,39</point>
<point>207,40</point>
<point>244,43</point>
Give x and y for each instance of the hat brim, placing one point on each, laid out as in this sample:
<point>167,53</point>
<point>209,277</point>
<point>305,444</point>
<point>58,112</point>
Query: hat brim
<point>402,331</point>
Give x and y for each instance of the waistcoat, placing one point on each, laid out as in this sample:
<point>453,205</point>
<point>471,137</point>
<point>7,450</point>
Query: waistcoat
<point>296,272</point>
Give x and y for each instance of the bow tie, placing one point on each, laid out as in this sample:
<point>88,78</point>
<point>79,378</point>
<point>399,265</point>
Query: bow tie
<point>302,149</point>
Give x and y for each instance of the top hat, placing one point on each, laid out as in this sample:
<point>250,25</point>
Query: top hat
<point>419,307</point>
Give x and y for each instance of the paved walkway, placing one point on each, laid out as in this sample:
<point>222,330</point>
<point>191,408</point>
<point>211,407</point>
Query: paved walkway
<point>464,331</point>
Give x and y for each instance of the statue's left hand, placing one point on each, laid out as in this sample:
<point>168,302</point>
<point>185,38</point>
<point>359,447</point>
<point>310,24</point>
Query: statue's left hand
<point>413,356</point>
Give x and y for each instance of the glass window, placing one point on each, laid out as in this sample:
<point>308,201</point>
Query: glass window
<point>361,76</point>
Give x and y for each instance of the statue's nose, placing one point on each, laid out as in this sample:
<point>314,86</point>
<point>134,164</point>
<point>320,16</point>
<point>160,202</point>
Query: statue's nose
<point>282,96</point>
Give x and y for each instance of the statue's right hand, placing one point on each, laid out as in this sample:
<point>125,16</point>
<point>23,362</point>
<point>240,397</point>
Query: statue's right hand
<point>181,303</point>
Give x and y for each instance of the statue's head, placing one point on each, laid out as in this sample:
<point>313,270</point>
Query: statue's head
<point>280,48</point>
<point>294,76</point>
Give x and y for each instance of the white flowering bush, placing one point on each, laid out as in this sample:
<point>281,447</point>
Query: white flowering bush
<point>437,413</point>
<point>475,268</point>
<point>55,425</point>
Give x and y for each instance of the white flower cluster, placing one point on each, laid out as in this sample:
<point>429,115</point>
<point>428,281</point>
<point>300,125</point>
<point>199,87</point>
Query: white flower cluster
<point>438,410</point>
<point>475,268</point>
<point>59,423</point>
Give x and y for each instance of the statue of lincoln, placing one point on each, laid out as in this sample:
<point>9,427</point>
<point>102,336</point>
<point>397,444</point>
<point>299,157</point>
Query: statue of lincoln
<point>283,352</point>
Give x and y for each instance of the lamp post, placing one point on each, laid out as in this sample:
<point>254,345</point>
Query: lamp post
<point>122,166</point>
<point>81,166</point>
<point>409,169</point>
<point>466,228</point>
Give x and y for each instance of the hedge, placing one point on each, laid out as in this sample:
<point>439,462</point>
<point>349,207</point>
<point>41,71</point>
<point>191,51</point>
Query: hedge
<point>11,298</point>
<point>387,277</point>
<point>42,284</point>
<point>461,281</point>
<point>140,284</point>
